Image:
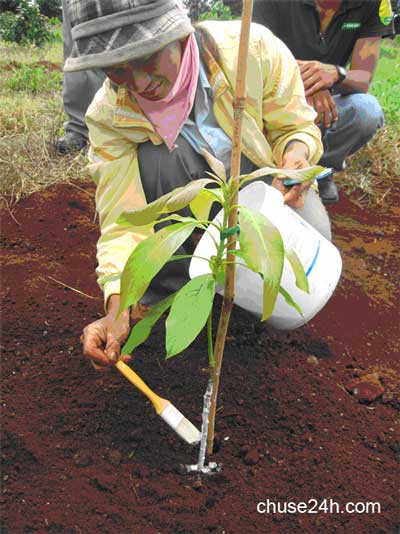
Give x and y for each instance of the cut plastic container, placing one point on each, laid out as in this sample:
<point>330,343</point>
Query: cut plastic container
<point>320,258</point>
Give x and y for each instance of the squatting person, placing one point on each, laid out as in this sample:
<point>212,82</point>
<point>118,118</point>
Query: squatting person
<point>168,94</point>
<point>325,36</point>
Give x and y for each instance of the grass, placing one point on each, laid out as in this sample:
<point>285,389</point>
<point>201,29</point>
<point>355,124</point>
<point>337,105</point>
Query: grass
<point>31,119</point>
<point>34,79</point>
<point>373,170</point>
<point>386,83</point>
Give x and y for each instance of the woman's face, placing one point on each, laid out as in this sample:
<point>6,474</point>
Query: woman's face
<point>152,76</point>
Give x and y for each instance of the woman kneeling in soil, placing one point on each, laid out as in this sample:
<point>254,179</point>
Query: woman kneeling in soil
<point>168,95</point>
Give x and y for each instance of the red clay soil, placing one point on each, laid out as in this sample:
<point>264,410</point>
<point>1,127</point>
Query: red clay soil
<point>309,414</point>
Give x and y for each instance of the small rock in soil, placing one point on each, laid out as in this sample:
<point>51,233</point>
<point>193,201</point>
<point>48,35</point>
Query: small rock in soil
<point>367,388</point>
<point>197,484</point>
<point>82,460</point>
<point>312,360</point>
<point>114,457</point>
<point>252,457</point>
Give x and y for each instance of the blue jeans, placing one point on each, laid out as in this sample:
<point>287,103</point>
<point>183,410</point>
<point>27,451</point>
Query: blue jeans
<point>360,115</point>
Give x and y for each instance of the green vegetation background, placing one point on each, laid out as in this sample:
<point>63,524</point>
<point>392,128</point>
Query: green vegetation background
<point>31,118</point>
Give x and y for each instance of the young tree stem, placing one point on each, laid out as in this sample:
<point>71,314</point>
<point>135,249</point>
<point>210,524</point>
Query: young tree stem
<point>227,302</point>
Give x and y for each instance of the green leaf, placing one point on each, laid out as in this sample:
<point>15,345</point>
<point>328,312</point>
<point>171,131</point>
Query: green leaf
<point>148,258</point>
<point>173,201</point>
<point>178,218</point>
<point>290,301</point>
<point>189,313</point>
<point>201,205</point>
<point>237,253</point>
<point>298,269</point>
<point>302,175</point>
<point>145,215</point>
<point>182,197</point>
<point>141,331</point>
<point>177,257</point>
<point>263,251</point>
<point>215,164</point>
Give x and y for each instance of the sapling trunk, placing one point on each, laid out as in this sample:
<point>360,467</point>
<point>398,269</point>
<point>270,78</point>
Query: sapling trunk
<point>227,302</point>
<point>204,426</point>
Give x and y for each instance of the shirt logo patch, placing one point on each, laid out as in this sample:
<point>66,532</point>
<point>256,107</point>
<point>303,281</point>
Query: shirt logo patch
<point>351,25</point>
<point>385,12</point>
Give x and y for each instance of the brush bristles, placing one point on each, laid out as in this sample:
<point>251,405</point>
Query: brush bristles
<point>182,426</point>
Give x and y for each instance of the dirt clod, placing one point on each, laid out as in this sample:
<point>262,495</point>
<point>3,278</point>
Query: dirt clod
<point>367,388</point>
<point>197,484</point>
<point>252,457</point>
<point>114,457</point>
<point>82,460</point>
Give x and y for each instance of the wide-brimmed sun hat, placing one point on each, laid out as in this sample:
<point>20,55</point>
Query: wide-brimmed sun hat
<point>108,32</point>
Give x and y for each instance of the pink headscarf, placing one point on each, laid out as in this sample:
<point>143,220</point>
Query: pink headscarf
<point>169,114</point>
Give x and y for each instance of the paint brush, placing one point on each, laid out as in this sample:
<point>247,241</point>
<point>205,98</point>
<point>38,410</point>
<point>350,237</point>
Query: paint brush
<point>171,415</point>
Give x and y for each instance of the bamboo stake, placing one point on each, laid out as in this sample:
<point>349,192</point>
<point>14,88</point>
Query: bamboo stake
<point>227,302</point>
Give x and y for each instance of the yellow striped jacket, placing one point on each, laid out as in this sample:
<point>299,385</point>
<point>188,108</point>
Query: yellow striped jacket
<point>276,112</point>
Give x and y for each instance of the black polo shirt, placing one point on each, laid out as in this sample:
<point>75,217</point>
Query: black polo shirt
<point>297,23</point>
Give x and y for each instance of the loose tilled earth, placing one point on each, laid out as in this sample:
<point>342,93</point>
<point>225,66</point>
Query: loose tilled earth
<point>305,414</point>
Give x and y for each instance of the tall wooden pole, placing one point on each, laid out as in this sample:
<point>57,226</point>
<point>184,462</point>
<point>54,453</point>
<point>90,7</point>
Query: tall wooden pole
<point>227,302</point>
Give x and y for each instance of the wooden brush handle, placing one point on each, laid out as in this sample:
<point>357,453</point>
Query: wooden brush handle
<point>140,385</point>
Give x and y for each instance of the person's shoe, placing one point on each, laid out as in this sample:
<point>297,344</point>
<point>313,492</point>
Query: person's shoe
<point>328,191</point>
<point>70,142</point>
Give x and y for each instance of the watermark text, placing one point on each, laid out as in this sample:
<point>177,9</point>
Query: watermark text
<point>315,506</point>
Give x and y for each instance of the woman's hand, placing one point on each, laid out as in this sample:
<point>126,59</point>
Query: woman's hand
<point>294,157</point>
<point>102,339</point>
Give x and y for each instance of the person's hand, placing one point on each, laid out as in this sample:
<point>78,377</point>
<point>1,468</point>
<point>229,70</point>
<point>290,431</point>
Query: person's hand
<point>324,105</point>
<point>102,339</point>
<point>295,157</point>
<point>317,76</point>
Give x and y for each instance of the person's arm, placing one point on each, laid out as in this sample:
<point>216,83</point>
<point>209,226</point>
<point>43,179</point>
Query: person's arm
<point>319,76</point>
<point>288,119</point>
<point>363,64</point>
<point>114,167</point>
<point>286,114</point>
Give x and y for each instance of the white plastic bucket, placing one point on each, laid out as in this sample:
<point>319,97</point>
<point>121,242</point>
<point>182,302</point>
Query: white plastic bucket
<point>321,261</point>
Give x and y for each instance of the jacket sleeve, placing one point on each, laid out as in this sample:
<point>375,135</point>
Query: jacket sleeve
<point>286,114</point>
<point>113,165</point>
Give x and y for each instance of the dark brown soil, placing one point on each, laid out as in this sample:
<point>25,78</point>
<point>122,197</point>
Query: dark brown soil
<point>302,415</point>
